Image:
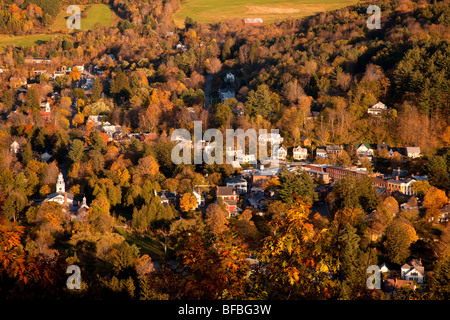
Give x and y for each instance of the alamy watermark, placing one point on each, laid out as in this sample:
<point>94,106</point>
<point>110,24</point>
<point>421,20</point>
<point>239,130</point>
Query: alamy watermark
<point>74,281</point>
<point>208,147</point>
<point>374,21</point>
<point>74,21</point>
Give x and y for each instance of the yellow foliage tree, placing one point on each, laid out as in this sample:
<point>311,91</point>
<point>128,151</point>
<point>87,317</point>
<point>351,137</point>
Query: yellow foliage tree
<point>188,202</point>
<point>433,201</point>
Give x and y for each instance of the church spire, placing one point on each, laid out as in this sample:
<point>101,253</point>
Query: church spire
<point>60,184</point>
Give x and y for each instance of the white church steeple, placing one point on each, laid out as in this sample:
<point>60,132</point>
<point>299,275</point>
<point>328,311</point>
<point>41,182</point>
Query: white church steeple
<point>60,185</point>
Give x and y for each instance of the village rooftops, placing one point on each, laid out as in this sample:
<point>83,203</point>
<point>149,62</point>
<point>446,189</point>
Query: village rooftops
<point>226,191</point>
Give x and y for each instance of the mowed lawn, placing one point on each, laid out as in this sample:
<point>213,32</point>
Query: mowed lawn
<point>147,244</point>
<point>96,13</point>
<point>24,41</point>
<point>268,10</point>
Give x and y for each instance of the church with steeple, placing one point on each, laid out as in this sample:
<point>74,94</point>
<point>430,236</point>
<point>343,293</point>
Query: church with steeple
<point>75,209</point>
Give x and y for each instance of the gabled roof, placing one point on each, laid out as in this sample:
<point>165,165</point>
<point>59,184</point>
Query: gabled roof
<point>358,145</point>
<point>413,149</point>
<point>333,147</point>
<point>223,191</point>
<point>414,264</point>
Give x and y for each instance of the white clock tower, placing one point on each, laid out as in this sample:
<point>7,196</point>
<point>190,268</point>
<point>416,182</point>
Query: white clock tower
<point>60,185</point>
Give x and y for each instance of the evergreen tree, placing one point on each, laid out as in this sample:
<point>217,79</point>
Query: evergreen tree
<point>294,185</point>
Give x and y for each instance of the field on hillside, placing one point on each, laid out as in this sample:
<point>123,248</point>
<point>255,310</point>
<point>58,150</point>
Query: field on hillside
<point>24,41</point>
<point>96,13</point>
<point>268,10</point>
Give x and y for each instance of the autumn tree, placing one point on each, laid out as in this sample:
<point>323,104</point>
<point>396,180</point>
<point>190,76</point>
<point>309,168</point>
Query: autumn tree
<point>399,236</point>
<point>216,219</point>
<point>188,202</point>
<point>210,270</point>
<point>433,201</point>
<point>289,260</point>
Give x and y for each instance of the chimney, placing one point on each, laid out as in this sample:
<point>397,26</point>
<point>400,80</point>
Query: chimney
<point>396,177</point>
<point>420,261</point>
<point>65,199</point>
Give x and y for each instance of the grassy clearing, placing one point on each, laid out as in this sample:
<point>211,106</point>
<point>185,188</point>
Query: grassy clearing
<point>268,10</point>
<point>24,41</point>
<point>147,244</point>
<point>96,13</point>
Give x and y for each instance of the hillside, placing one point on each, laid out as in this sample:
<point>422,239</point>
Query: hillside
<point>268,10</point>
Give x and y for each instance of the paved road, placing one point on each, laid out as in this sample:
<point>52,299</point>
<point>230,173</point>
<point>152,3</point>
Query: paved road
<point>207,91</point>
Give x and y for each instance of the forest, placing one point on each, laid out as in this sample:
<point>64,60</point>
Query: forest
<point>310,77</point>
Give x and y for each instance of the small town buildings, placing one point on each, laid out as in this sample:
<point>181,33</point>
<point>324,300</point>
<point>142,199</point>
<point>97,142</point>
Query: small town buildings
<point>237,182</point>
<point>97,121</point>
<point>413,152</point>
<point>321,153</point>
<point>280,153</point>
<point>317,172</point>
<point>252,21</point>
<point>111,130</point>
<point>364,150</point>
<point>305,141</point>
<point>273,138</point>
<point>230,197</point>
<point>45,157</point>
<point>229,78</point>
<point>299,153</point>
<point>225,94</point>
<point>73,208</point>
<point>400,185</point>
<point>377,109</point>
<point>337,173</point>
<point>148,137</point>
<point>256,200</point>
<point>413,271</point>
<point>198,196</point>
<point>334,150</point>
<point>37,61</point>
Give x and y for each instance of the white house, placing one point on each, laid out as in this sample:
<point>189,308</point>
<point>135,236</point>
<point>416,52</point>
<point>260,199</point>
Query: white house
<point>45,106</point>
<point>300,153</point>
<point>384,268</point>
<point>280,153</point>
<point>413,152</point>
<point>413,271</point>
<point>364,150</point>
<point>76,210</point>
<point>377,109</point>
<point>271,137</point>
<point>237,182</point>
<point>229,77</point>
<point>198,196</point>
<point>321,153</point>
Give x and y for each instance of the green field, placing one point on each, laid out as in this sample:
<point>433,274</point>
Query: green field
<point>96,13</point>
<point>24,41</point>
<point>146,244</point>
<point>268,10</point>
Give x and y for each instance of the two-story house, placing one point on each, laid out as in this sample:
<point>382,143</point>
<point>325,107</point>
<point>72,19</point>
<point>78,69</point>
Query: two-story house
<point>230,197</point>
<point>300,153</point>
